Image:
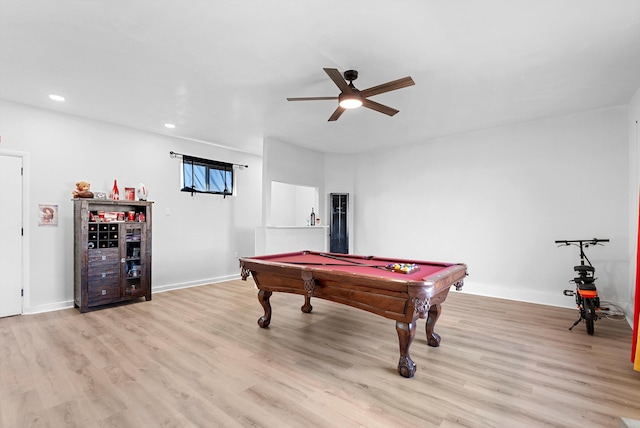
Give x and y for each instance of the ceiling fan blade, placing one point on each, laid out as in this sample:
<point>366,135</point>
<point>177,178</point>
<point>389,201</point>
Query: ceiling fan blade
<point>312,98</point>
<point>379,107</point>
<point>336,114</point>
<point>337,78</point>
<point>389,86</point>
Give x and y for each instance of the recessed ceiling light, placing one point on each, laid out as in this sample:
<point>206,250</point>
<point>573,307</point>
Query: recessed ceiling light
<point>55,97</point>
<point>169,125</point>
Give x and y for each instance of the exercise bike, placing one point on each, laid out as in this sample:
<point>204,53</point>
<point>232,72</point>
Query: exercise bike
<point>586,293</point>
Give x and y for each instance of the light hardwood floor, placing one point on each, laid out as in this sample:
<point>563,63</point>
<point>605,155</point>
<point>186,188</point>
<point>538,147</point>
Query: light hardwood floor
<point>197,358</point>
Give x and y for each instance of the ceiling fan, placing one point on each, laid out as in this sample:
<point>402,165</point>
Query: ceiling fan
<point>350,97</point>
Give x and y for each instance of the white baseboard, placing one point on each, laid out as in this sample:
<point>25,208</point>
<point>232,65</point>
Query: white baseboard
<point>629,423</point>
<point>38,309</point>
<point>178,286</point>
<point>48,307</point>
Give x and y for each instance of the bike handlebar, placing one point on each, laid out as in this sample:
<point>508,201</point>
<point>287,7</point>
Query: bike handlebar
<point>593,241</point>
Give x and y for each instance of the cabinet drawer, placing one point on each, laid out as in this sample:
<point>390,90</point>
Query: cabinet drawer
<point>103,254</point>
<point>100,292</point>
<point>104,275</point>
<point>101,268</point>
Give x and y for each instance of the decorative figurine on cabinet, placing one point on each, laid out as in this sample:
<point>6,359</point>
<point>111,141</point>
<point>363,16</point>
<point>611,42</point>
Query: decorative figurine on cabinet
<point>143,193</point>
<point>82,190</point>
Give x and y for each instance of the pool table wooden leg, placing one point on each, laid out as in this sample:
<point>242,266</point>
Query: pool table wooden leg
<point>306,308</point>
<point>263,297</point>
<point>406,333</point>
<point>433,338</point>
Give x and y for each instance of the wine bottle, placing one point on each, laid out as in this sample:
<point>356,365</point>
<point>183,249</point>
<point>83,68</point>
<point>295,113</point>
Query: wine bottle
<point>313,217</point>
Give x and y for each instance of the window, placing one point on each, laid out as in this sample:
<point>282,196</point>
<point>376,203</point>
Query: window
<point>206,176</point>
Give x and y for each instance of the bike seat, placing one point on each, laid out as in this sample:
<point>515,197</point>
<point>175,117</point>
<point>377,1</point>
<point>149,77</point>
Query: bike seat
<point>585,284</point>
<point>584,268</point>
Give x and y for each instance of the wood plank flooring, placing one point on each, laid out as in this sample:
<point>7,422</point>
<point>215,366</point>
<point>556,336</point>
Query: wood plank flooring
<point>197,358</point>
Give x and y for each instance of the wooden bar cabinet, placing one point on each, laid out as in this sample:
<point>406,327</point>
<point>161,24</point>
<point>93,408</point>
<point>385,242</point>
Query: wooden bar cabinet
<point>112,252</point>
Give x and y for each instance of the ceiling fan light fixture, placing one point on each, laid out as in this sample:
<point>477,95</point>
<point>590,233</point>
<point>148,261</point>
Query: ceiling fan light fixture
<point>350,101</point>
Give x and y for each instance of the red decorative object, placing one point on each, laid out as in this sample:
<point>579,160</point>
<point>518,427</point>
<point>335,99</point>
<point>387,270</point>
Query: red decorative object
<point>115,193</point>
<point>635,340</point>
<point>130,193</point>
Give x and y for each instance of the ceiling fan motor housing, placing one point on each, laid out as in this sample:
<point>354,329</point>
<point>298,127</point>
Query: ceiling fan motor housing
<point>350,75</point>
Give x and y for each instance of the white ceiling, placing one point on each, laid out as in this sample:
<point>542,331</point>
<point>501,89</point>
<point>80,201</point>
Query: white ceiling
<point>221,70</point>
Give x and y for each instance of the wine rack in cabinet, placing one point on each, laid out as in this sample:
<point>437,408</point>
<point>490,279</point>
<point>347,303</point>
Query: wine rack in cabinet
<point>112,252</point>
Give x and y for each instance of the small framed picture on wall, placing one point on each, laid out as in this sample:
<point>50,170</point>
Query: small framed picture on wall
<point>48,215</point>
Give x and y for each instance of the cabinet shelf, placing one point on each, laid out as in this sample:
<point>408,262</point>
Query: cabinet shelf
<point>112,259</point>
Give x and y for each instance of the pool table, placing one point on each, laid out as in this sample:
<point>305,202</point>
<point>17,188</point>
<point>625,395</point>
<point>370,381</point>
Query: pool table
<point>374,284</point>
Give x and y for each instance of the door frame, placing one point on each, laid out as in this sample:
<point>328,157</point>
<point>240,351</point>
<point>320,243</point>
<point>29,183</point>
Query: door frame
<point>25,223</point>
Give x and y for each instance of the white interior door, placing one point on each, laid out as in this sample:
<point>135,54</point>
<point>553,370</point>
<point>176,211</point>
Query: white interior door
<point>10,235</point>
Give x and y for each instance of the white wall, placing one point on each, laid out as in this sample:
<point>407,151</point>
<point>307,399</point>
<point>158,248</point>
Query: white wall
<point>498,199</point>
<point>195,239</point>
<point>634,179</point>
<point>495,199</point>
<point>291,164</point>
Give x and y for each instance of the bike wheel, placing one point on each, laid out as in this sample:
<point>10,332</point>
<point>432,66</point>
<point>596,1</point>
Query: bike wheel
<point>590,314</point>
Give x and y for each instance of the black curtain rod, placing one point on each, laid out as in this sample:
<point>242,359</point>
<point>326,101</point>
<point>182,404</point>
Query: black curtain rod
<point>174,154</point>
